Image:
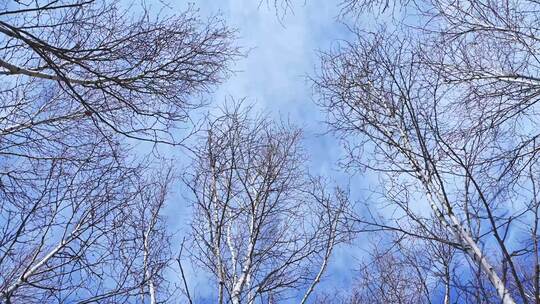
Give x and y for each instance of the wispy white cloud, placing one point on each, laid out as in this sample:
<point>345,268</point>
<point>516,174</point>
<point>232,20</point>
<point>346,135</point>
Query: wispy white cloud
<point>273,78</point>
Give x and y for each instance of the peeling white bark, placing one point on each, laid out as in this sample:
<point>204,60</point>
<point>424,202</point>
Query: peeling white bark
<point>472,248</point>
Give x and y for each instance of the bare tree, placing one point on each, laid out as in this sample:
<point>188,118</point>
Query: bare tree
<point>79,214</point>
<point>389,277</point>
<point>133,73</point>
<point>280,7</point>
<point>357,7</point>
<point>405,269</point>
<point>85,234</point>
<point>262,226</point>
<point>446,111</point>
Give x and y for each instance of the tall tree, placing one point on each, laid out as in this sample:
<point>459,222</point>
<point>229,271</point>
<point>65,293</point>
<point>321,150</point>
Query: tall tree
<point>262,226</point>
<point>445,109</point>
<point>79,215</point>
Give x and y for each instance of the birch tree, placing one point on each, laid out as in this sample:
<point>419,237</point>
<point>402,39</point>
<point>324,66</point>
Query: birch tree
<point>406,269</point>
<point>125,70</point>
<point>80,81</point>
<point>262,226</point>
<point>85,235</point>
<point>445,110</point>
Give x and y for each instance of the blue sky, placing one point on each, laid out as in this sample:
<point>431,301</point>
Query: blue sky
<point>273,78</point>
